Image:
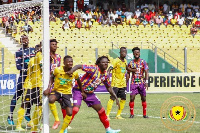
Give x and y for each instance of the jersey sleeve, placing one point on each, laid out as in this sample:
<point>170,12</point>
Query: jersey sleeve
<point>106,82</point>
<point>39,59</point>
<point>88,68</point>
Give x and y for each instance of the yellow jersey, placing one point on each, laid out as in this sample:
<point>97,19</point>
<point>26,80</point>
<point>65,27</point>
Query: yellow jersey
<point>36,78</point>
<point>118,73</point>
<point>63,83</point>
<point>27,82</point>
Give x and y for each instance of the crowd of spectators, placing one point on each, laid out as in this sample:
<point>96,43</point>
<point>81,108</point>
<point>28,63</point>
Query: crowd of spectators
<point>109,14</point>
<point>145,14</point>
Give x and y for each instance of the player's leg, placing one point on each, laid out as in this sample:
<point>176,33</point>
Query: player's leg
<point>16,96</point>
<point>93,101</point>
<point>134,92</point>
<point>54,96</point>
<point>122,95</point>
<point>37,99</point>
<point>28,112</point>
<point>142,92</point>
<point>67,105</point>
<point>110,102</point>
<point>77,99</point>
<point>20,113</point>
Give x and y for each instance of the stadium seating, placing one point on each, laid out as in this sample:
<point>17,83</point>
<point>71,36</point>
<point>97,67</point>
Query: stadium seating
<point>9,61</point>
<point>81,43</point>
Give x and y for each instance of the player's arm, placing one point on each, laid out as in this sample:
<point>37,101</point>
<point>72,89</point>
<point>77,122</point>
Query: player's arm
<point>146,78</point>
<point>80,86</point>
<point>19,61</point>
<point>131,69</point>
<point>74,69</point>
<point>51,80</point>
<point>112,93</point>
<point>127,76</point>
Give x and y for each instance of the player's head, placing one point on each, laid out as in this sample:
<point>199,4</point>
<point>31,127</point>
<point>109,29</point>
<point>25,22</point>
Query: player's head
<point>136,52</point>
<point>102,62</point>
<point>53,45</point>
<point>24,40</point>
<point>68,61</point>
<point>123,52</point>
<point>37,48</point>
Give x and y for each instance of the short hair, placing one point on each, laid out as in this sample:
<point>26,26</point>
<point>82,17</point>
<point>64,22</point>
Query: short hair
<point>66,57</point>
<point>135,48</point>
<point>53,40</point>
<point>122,48</point>
<point>100,58</point>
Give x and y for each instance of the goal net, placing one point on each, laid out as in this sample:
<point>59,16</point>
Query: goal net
<point>21,36</point>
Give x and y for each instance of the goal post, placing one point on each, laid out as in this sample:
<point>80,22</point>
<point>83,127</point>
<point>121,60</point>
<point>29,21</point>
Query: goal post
<point>46,64</point>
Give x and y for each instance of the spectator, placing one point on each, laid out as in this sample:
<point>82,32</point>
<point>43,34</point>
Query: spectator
<point>105,21</point>
<point>151,22</point>
<point>197,23</point>
<point>123,17</point>
<point>110,13</point>
<point>159,21</point>
<point>183,6</point>
<point>72,24</point>
<point>170,15</point>
<point>128,14</point>
<point>88,24</point>
<point>66,24</point>
<point>91,5</point>
<point>173,21</point>
<point>26,28</point>
<point>106,6</point>
<point>137,22</point>
<point>111,21</point>
<point>166,21</point>
<point>52,17</point>
<point>80,4</point>
<point>181,21</point>
<point>145,22</point>
<point>151,7</point>
<point>148,16</point>
<point>166,8</point>
<point>72,16</point>
<point>78,23</point>
<point>61,13</point>
<point>193,30</point>
<point>87,15</point>
<point>118,20</point>
<point>195,7</point>
<point>138,12</point>
<point>119,12</point>
<point>95,14</point>
<point>115,15</point>
<point>131,21</point>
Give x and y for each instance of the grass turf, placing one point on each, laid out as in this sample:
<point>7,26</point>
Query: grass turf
<point>87,121</point>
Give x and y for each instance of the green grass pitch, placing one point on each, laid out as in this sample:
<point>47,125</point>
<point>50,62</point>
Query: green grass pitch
<point>87,121</point>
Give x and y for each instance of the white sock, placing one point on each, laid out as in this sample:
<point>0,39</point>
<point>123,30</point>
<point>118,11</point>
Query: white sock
<point>107,129</point>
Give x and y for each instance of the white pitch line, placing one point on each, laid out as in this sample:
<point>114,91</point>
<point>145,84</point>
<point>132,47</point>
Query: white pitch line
<point>152,117</point>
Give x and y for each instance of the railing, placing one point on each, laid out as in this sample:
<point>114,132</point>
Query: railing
<point>148,45</point>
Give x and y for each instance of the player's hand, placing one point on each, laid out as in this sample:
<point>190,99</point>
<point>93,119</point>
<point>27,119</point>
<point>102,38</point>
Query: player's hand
<point>46,92</point>
<point>146,86</point>
<point>117,102</point>
<point>84,95</point>
<point>70,72</point>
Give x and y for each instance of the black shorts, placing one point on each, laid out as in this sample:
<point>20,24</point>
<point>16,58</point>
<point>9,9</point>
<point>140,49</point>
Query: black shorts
<point>33,96</point>
<point>119,92</point>
<point>65,100</point>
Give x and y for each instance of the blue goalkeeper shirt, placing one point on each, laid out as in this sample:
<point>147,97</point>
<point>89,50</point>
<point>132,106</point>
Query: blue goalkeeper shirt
<point>22,57</point>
